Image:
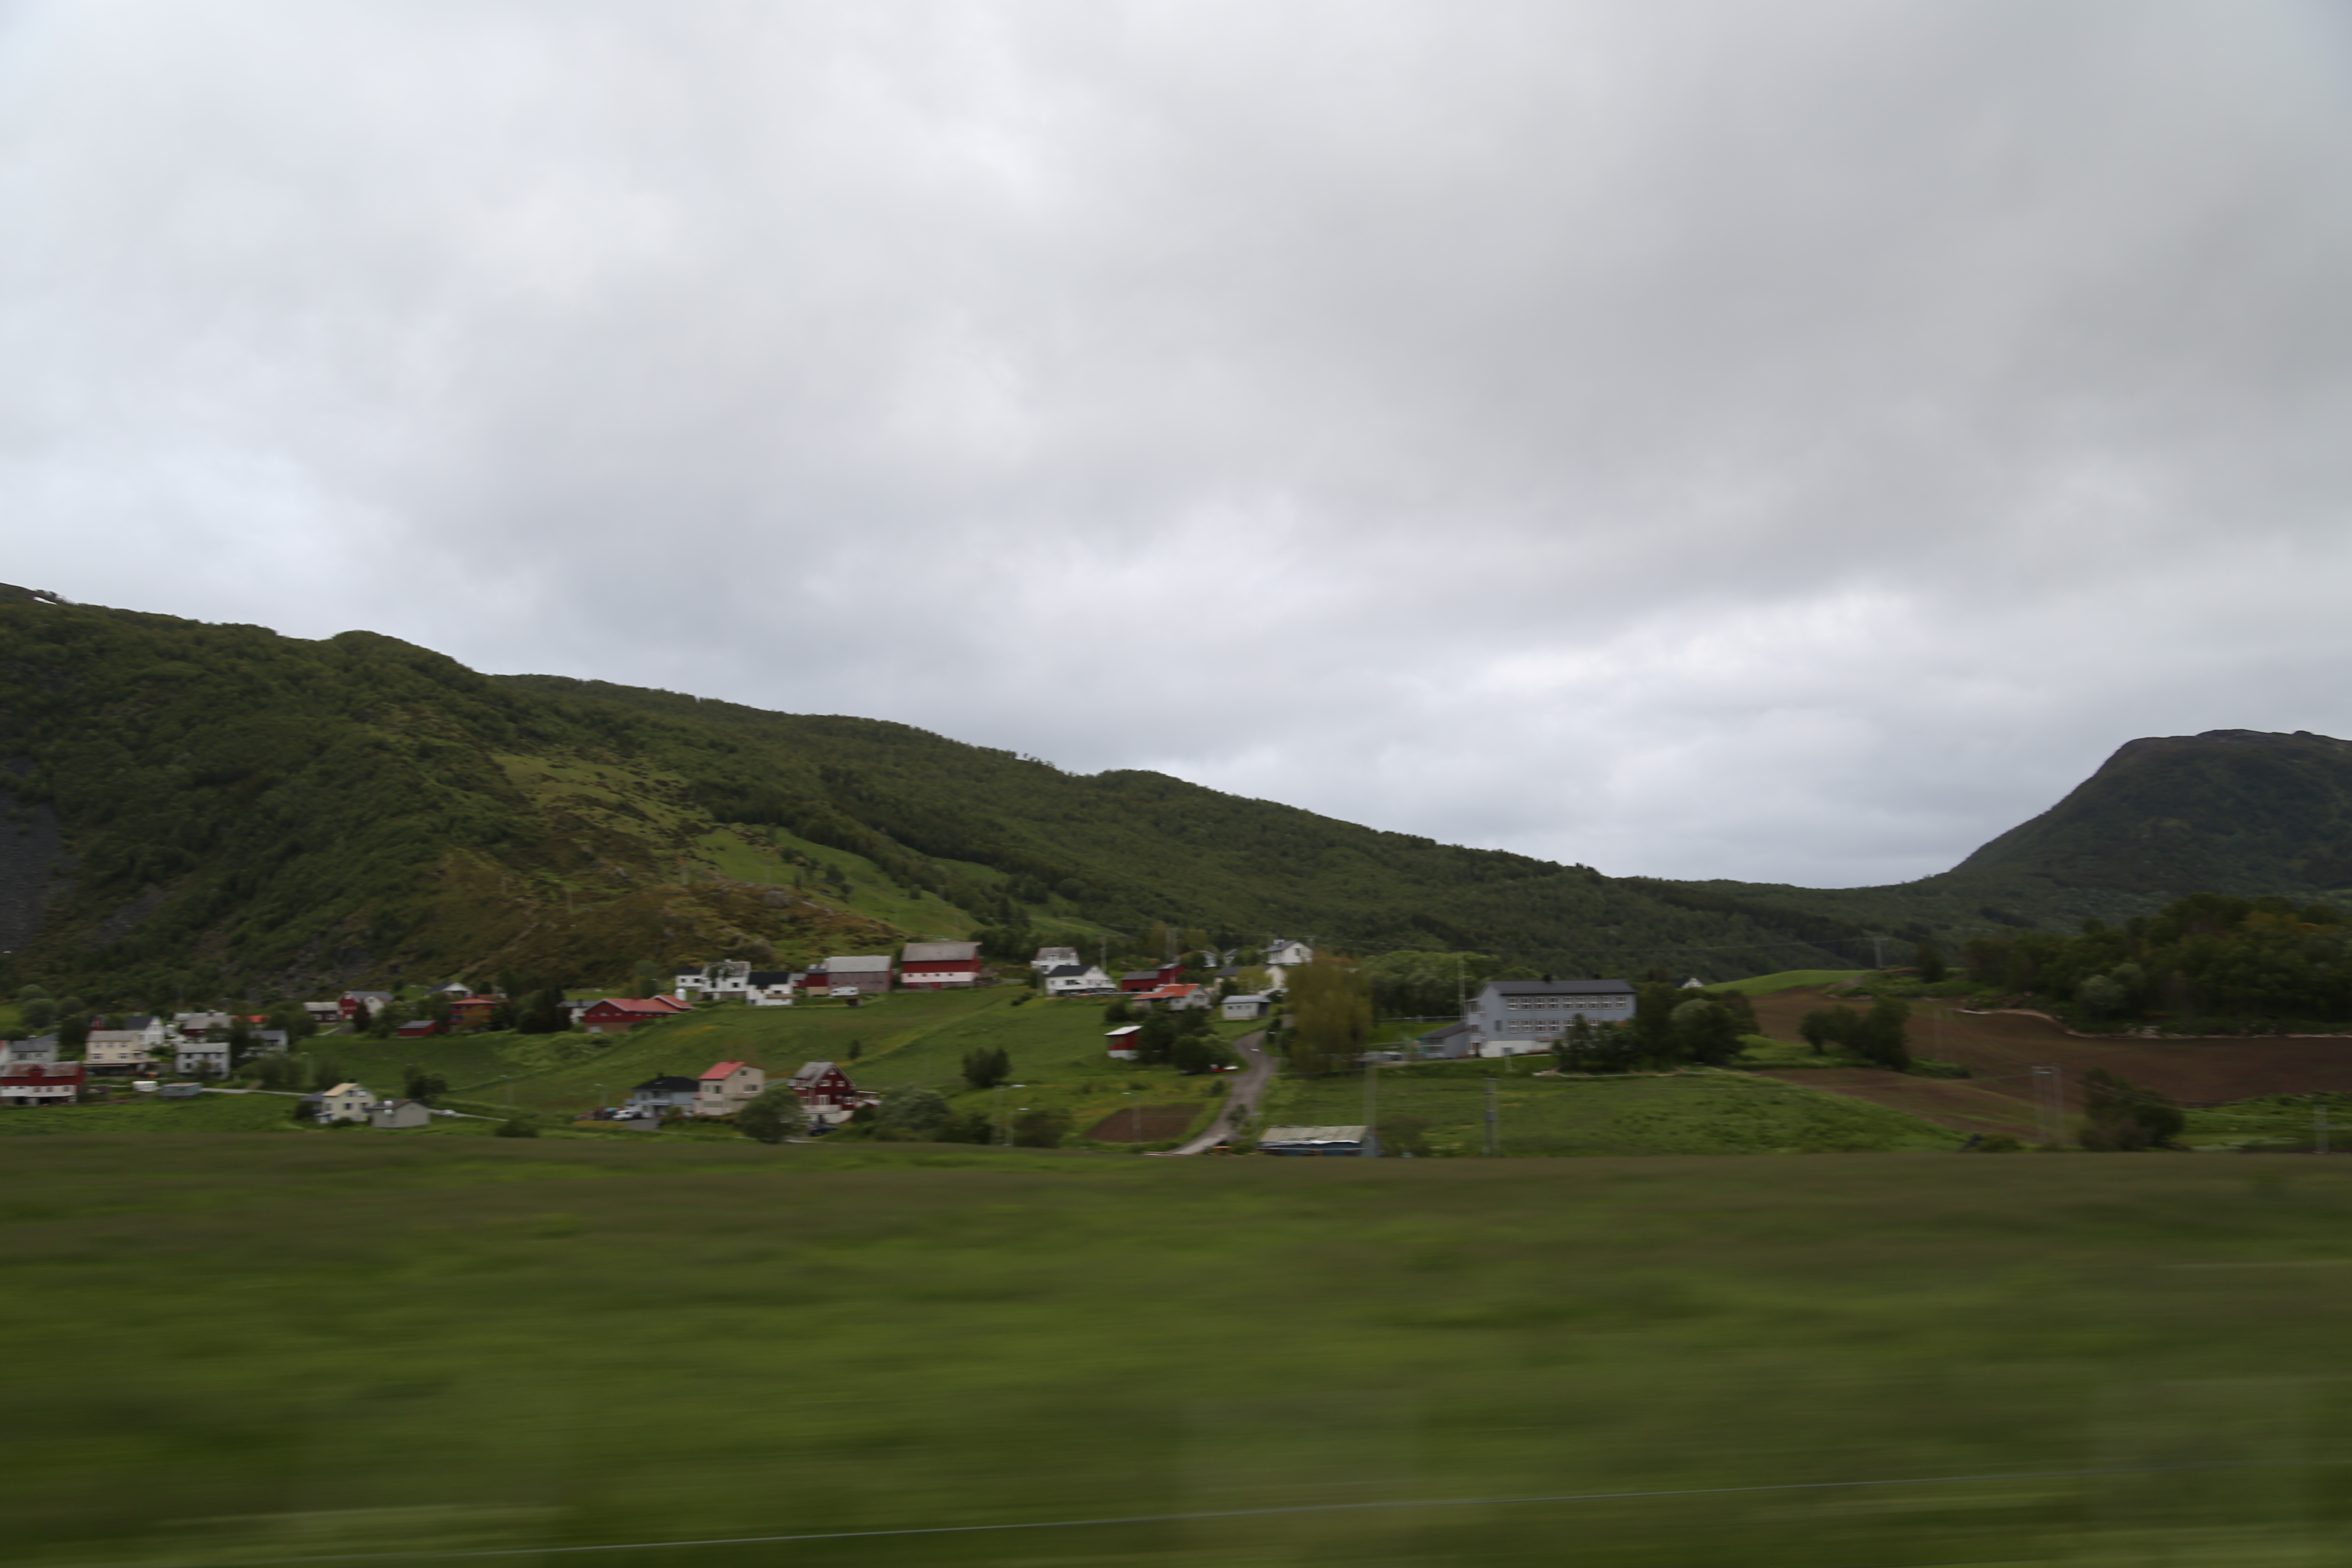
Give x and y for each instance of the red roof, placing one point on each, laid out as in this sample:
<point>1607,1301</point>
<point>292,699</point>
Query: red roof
<point>724,1070</point>
<point>41,1072</point>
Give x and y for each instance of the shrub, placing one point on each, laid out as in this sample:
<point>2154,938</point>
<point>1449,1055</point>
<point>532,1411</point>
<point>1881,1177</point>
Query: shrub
<point>772,1116</point>
<point>515,1126</point>
<point>915,1110</point>
<point>1044,1128</point>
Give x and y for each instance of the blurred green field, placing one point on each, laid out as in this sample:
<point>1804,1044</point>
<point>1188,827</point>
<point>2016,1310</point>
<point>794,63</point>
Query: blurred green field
<point>1697,1111</point>
<point>256,1349</point>
<point>1787,980</point>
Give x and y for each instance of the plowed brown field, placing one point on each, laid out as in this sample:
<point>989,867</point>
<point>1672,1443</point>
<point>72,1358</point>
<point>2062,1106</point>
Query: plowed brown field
<point>2001,1049</point>
<point>1143,1124</point>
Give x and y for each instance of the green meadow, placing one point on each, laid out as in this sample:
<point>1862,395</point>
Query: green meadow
<point>1698,1111</point>
<point>252,1350</point>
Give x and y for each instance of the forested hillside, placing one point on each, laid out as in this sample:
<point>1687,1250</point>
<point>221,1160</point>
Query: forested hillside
<point>196,809</point>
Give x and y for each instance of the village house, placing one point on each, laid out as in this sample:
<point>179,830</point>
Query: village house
<point>1051,958</point>
<point>1283,955</point>
<point>727,1087</point>
<point>208,1057</point>
<point>1517,1017</point>
<point>40,1083</point>
<point>1122,1041</point>
<point>346,1102</point>
<point>473,1012</point>
<point>1077,980</point>
<point>203,1026</point>
<point>1452,1042</point>
<point>858,974</point>
<point>348,1005</point>
<point>671,1091</point>
<point>419,1028</point>
<point>826,1091</point>
<point>619,1014</point>
<point>398,1115</point>
<point>934,965</point>
<point>1151,979</point>
<point>1245,1006</point>
<point>727,980</point>
<point>1177,998</point>
<point>117,1051</point>
<point>44,1049</point>
<point>325,1015</point>
<point>771,987</point>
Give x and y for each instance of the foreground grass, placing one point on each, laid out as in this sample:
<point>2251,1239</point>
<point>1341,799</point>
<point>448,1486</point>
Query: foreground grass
<point>1694,1113</point>
<point>266,1348</point>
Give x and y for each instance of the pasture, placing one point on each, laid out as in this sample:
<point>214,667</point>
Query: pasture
<point>262,1349</point>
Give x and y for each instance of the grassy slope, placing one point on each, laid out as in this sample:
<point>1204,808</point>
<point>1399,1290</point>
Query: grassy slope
<point>1697,1112</point>
<point>253,1348</point>
<point>1056,1049</point>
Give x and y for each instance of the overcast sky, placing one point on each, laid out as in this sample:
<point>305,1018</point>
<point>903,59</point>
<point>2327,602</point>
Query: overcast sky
<point>1791,442</point>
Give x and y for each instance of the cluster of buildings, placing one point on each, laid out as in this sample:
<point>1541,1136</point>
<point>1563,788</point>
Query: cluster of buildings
<point>824,1089</point>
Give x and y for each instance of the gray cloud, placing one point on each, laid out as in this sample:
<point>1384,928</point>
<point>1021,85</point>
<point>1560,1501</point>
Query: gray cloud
<point>1791,442</point>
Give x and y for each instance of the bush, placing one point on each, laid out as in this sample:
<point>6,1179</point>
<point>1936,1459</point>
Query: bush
<point>2125,1118</point>
<point>967,1127</point>
<point>1044,1128</point>
<point>987,1066</point>
<point>1996,1144</point>
<point>1404,1135</point>
<point>915,1110</point>
<point>515,1126</point>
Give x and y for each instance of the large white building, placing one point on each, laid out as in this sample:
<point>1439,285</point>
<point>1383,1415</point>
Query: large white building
<point>1515,1017</point>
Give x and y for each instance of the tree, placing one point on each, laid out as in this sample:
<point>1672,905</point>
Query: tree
<point>2124,1117</point>
<point>73,1032</point>
<point>543,1013</point>
<point>515,1126</point>
<point>424,1086</point>
<point>31,993</point>
<point>1826,1027</point>
<point>1198,1052</point>
<point>1882,1037</point>
<point>1706,1031</point>
<point>971,1126</point>
<point>1330,1015</point>
<point>987,1066</point>
<point>1929,961</point>
<point>912,1111</point>
<point>772,1115</point>
<point>1044,1128</point>
<point>1119,1012</point>
<point>37,1011</point>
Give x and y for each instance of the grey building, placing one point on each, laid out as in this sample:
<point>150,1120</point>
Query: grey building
<point>1512,1018</point>
<point>1342,1142</point>
<point>668,1092</point>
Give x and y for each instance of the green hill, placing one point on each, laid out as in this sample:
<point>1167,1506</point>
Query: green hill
<point>201,810</point>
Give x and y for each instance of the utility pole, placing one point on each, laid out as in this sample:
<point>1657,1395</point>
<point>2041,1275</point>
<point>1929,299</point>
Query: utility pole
<point>2050,1105</point>
<point>1494,1126</point>
<point>1372,1109</point>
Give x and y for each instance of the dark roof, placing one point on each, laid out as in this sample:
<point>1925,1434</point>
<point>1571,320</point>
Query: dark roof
<point>1064,969</point>
<point>1561,987</point>
<point>668,1083</point>
<point>1141,974</point>
<point>812,1071</point>
<point>769,977</point>
<point>1449,1031</point>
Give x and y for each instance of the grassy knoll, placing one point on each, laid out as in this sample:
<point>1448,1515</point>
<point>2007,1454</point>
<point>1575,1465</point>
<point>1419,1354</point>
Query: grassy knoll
<point>1693,1112</point>
<point>267,1348</point>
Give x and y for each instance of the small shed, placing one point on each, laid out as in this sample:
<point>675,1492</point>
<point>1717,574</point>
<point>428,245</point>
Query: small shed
<point>1246,1006</point>
<point>396,1115</point>
<point>181,1090</point>
<point>1342,1142</point>
<point>1122,1041</point>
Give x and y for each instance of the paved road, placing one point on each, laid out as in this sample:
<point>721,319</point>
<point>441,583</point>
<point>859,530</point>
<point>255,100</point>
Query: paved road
<point>1241,1100</point>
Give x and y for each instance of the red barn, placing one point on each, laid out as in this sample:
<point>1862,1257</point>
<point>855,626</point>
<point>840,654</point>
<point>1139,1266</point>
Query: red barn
<point>616,1015</point>
<point>40,1083</point>
<point>928,966</point>
<point>821,1085</point>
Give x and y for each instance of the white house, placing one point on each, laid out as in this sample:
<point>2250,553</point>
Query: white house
<point>1245,1006</point>
<point>201,1056</point>
<point>727,980</point>
<point>154,1029</point>
<point>346,1102</point>
<point>771,987</point>
<point>1077,980</point>
<point>1282,955</point>
<point>1052,958</point>
<point>1516,1017</point>
<point>203,1026</point>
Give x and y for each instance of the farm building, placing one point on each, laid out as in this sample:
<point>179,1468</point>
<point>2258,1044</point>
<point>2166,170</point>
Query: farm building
<point>617,1014</point>
<point>671,1091</point>
<point>858,974</point>
<point>1054,958</point>
<point>201,1055</point>
<point>1122,1041</point>
<point>771,987</point>
<point>725,979</point>
<point>347,1006</point>
<point>398,1115</point>
<point>40,1083</point>
<point>1077,980</point>
<point>344,1102</point>
<point>1516,1018</point>
<point>1151,979</point>
<point>1335,1142</point>
<point>1245,1006</point>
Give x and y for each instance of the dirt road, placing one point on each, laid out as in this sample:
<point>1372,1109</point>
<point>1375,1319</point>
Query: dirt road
<point>1241,1100</point>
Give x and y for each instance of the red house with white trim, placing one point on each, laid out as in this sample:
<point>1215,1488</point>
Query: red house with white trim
<point>928,966</point>
<point>40,1083</point>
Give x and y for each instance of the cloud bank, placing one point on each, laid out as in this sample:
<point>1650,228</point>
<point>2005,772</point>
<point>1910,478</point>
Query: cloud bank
<point>1790,443</point>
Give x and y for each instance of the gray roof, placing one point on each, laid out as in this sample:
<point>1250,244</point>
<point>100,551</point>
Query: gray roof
<point>860,963</point>
<point>812,1071</point>
<point>668,1083</point>
<point>1311,1135</point>
<point>1449,1031</point>
<point>940,951</point>
<point>1560,987</point>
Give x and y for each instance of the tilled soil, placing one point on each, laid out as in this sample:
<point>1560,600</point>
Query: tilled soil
<point>2001,1049</point>
<point>1143,1124</point>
